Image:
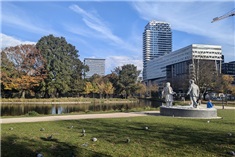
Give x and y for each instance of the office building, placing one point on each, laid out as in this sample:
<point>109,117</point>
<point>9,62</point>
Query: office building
<point>96,66</point>
<point>229,69</point>
<point>157,41</point>
<point>183,63</point>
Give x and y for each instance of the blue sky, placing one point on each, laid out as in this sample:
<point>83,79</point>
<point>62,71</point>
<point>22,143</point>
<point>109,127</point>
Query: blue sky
<point>113,29</point>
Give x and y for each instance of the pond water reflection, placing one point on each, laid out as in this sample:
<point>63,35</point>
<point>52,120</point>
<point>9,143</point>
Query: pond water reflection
<point>22,109</point>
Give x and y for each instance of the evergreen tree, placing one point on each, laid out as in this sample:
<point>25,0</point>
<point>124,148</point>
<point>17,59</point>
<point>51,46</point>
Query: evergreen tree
<point>63,66</point>
<point>127,79</point>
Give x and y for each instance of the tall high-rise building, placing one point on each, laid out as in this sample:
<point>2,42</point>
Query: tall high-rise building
<point>157,41</point>
<point>96,66</point>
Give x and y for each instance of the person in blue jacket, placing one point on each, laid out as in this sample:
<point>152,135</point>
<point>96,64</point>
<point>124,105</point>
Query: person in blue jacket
<point>209,104</point>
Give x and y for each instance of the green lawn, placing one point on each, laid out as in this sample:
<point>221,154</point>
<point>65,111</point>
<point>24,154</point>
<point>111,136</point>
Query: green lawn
<point>166,136</point>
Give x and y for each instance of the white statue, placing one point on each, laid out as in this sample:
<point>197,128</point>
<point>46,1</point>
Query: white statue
<point>194,92</point>
<point>167,93</point>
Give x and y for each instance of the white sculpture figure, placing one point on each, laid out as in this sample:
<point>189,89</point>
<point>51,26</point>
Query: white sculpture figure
<point>194,92</point>
<point>167,93</point>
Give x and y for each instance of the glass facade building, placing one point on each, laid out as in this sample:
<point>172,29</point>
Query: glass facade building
<point>96,66</point>
<point>157,41</point>
<point>229,69</point>
<point>183,63</point>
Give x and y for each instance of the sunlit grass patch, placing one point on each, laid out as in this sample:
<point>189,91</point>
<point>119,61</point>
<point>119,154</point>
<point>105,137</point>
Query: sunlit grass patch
<point>164,136</point>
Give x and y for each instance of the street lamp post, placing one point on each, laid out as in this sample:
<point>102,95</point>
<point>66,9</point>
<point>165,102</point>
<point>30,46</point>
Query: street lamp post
<point>222,101</point>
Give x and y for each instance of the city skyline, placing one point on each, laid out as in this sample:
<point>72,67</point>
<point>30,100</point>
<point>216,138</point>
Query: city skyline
<point>113,30</point>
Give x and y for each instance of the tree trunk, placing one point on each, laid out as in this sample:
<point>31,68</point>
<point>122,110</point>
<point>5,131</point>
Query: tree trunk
<point>46,95</point>
<point>23,94</point>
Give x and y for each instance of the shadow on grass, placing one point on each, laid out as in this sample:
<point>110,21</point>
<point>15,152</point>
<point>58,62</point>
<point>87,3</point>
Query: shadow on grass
<point>12,146</point>
<point>152,114</point>
<point>185,138</point>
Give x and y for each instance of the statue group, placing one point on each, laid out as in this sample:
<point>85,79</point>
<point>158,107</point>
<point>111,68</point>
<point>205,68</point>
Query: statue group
<point>193,92</point>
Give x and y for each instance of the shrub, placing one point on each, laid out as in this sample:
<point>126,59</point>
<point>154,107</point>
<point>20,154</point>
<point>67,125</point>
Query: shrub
<point>32,113</point>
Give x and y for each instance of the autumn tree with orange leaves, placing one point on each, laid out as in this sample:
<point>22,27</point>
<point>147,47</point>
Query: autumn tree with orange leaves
<point>22,68</point>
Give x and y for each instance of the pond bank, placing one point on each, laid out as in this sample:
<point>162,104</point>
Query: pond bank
<point>77,102</point>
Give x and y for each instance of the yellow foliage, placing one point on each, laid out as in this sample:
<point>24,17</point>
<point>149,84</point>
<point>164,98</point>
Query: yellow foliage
<point>24,82</point>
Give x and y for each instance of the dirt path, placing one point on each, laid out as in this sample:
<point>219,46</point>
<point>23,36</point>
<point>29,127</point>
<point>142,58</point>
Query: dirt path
<point>89,116</point>
<point>74,117</point>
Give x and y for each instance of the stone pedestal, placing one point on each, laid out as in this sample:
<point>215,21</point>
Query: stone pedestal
<point>188,111</point>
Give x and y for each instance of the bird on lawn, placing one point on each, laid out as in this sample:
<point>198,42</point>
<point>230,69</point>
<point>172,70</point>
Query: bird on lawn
<point>94,139</point>
<point>70,127</point>
<point>230,134</point>
<point>128,140</point>
<point>146,128</point>
<point>10,128</point>
<point>231,153</point>
<point>39,155</point>
<point>83,134</point>
<point>83,131</point>
<point>42,129</point>
<point>50,137</point>
<point>85,144</point>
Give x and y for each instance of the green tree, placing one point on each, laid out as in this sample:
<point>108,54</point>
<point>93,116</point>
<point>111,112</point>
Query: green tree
<point>152,90</point>
<point>63,66</point>
<point>113,79</point>
<point>127,79</point>
<point>141,90</point>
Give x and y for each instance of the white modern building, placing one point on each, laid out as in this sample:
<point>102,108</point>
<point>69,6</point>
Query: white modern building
<point>96,66</point>
<point>182,62</point>
<point>157,41</point>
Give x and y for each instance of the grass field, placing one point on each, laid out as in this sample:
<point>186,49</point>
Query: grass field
<point>165,137</point>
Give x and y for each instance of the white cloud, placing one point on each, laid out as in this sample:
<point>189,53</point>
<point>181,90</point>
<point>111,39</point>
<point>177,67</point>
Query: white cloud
<point>100,29</point>
<point>96,24</point>
<point>116,61</point>
<point>14,16</point>
<point>7,41</point>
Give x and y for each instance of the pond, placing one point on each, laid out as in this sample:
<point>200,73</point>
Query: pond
<point>22,109</point>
